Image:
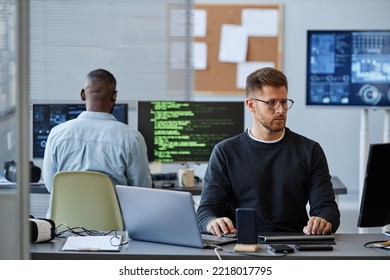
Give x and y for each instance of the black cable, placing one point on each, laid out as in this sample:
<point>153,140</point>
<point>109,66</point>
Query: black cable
<point>80,231</point>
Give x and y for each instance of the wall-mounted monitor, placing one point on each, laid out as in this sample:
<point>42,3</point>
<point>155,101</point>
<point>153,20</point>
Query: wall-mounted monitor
<point>375,203</point>
<point>348,68</point>
<point>46,116</point>
<point>186,131</point>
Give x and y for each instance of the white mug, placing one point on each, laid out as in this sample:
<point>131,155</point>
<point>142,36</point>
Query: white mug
<point>186,177</point>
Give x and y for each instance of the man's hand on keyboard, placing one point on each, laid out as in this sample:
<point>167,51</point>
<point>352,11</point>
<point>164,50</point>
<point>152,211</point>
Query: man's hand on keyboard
<point>221,226</point>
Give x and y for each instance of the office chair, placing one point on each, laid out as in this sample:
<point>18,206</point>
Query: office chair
<point>87,199</point>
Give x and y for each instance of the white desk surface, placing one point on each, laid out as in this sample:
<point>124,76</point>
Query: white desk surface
<point>348,246</point>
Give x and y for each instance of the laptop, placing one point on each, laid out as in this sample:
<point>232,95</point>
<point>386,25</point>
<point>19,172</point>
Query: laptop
<point>295,237</point>
<point>163,216</point>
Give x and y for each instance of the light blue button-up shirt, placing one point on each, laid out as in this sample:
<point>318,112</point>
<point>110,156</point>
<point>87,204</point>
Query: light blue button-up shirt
<point>96,141</point>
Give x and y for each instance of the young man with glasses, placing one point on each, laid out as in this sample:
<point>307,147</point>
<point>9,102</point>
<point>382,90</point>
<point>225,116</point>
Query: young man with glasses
<point>269,168</point>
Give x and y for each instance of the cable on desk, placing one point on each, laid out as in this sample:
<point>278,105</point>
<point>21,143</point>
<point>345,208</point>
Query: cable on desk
<point>117,237</point>
<point>216,248</point>
<point>83,232</point>
<point>216,252</point>
<point>379,244</point>
<point>80,231</point>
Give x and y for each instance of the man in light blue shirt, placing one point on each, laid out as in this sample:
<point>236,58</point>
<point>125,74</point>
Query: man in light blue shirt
<point>96,140</point>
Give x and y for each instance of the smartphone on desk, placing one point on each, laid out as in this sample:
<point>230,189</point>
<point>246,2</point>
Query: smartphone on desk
<point>280,248</point>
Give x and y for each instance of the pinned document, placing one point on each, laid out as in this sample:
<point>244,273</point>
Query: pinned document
<point>233,44</point>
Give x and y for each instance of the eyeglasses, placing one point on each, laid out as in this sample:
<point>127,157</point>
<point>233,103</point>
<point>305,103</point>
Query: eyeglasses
<point>274,104</point>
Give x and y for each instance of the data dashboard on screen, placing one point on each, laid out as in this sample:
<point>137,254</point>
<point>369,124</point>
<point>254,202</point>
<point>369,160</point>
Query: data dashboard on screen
<point>187,131</point>
<point>46,116</point>
<point>348,68</point>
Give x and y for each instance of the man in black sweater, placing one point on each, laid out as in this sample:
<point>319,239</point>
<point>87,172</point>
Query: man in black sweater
<point>269,168</point>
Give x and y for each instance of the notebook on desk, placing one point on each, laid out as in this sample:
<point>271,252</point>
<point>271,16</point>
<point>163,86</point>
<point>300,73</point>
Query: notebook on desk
<point>163,216</point>
<point>295,237</point>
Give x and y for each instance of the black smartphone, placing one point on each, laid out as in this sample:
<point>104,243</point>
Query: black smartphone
<point>280,248</point>
<point>314,247</point>
<point>246,226</point>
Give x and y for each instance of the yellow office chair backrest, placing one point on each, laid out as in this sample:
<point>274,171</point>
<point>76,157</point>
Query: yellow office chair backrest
<point>87,199</point>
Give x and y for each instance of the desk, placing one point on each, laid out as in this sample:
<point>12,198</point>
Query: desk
<point>348,246</point>
<point>338,187</point>
<point>39,188</point>
<point>195,190</point>
<point>39,199</point>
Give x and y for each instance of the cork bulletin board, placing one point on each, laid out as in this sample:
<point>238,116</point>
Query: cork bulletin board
<point>220,76</point>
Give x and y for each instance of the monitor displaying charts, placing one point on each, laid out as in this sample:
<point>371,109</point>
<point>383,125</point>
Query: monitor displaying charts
<point>349,68</point>
<point>46,116</point>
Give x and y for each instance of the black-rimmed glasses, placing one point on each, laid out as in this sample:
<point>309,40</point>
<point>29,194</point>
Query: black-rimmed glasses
<point>274,104</point>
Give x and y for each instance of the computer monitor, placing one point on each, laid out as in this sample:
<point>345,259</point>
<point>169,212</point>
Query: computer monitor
<point>186,131</point>
<point>375,203</point>
<point>348,68</point>
<point>46,116</point>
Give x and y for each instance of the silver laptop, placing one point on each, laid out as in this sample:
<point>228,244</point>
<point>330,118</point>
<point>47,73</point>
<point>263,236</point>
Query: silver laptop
<point>163,216</point>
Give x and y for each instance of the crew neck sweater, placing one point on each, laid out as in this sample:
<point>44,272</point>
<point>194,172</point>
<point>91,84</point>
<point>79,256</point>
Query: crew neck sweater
<point>277,179</point>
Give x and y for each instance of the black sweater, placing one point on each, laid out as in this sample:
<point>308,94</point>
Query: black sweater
<point>277,179</point>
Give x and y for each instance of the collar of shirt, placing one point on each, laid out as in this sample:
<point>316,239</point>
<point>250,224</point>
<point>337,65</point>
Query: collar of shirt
<point>96,115</point>
<point>267,142</point>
